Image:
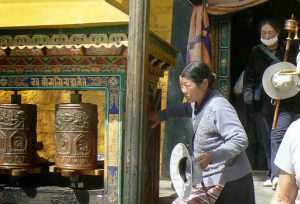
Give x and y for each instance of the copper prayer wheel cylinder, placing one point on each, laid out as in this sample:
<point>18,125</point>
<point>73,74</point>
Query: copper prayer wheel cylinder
<point>17,135</point>
<point>290,25</point>
<point>76,136</point>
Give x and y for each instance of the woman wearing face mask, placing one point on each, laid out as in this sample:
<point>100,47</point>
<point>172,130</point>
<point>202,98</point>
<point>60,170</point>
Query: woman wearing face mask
<point>270,51</point>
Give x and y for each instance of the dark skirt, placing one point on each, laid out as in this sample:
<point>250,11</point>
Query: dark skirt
<point>240,191</point>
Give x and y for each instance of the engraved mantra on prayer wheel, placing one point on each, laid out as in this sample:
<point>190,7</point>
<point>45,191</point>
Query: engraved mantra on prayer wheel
<point>76,136</point>
<point>17,135</point>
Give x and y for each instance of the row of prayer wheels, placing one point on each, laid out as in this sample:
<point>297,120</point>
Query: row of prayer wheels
<point>75,134</point>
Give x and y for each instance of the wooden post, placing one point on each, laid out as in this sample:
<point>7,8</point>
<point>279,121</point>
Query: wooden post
<point>134,171</point>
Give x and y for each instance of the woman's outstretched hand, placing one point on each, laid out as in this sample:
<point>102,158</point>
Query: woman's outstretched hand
<point>153,116</point>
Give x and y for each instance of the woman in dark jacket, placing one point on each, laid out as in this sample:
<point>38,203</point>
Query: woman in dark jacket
<point>270,51</point>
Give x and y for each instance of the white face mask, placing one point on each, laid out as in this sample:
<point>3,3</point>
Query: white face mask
<point>269,42</point>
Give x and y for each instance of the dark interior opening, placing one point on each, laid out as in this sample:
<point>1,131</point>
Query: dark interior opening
<point>245,29</point>
<point>244,35</point>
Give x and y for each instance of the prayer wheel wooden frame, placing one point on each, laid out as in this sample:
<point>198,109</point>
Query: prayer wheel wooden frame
<point>97,67</point>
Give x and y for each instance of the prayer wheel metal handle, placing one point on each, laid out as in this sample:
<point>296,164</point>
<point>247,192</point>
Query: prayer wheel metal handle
<point>291,26</point>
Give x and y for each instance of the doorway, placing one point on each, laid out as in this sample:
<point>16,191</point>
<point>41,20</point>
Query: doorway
<point>245,35</point>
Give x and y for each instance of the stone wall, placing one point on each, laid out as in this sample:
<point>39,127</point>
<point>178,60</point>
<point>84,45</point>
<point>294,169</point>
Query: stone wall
<point>161,12</point>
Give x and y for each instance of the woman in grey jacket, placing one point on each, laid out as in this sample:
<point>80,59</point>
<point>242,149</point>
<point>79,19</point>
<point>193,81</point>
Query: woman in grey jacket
<point>219,140</point>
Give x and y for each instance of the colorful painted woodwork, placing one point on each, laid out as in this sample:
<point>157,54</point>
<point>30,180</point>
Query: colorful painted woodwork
<point>86,66</point>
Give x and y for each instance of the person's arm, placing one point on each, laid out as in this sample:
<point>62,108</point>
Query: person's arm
<point>179,111</point>
<point>286,191</point>
<point>231,130</point>
<point>251,71</point>
<point>249,79</point>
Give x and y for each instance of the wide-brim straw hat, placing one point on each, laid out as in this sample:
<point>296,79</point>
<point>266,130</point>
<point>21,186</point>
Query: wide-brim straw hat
<point>278,85</point>
<point>184,173</point>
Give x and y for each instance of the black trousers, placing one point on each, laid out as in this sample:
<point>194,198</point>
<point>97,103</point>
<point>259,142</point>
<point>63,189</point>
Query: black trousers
<point>240,191</point>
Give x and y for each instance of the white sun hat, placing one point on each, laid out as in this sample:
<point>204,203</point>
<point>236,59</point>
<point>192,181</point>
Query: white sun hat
<point>184,171</point>
<point>279,85</point>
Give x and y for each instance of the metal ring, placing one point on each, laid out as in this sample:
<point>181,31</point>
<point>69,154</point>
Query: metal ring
<point>273,101</point>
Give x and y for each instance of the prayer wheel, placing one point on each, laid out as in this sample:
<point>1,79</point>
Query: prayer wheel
<point>18,141</point>
<point>76,134</point>
<point>290,25</point>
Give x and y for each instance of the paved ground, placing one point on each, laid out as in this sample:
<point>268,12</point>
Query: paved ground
<point>263,195</point>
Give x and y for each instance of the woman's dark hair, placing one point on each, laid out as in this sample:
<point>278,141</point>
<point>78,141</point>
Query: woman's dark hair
<point>197,72</point>
<point>272,22</point>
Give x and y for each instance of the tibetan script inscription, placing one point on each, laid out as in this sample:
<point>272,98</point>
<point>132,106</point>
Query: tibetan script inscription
<point>59,81</point>
<point>12,118</point>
